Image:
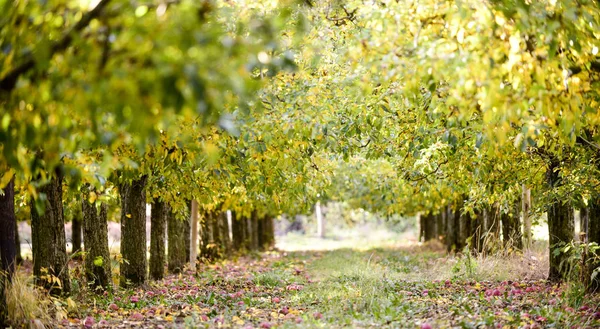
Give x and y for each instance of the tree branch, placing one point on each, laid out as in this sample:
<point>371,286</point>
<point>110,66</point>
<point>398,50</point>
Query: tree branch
<point>8,82</point>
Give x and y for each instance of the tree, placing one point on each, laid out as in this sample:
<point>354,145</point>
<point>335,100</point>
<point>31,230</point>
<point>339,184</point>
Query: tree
<point>49,244</point>
<point>133,232</point>
<point>95,234</point>
<point>158,226</point>
<point>8,255</point>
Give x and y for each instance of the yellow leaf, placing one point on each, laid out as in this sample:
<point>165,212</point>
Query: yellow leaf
<point>92,198</point>
<point>71,305</point>
<point>128,215</point>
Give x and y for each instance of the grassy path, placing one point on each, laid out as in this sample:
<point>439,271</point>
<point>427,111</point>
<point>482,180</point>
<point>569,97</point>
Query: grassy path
<point>408,287</point>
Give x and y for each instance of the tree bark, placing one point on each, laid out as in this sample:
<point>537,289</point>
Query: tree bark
<point>453,226</point>
<point>8,252</point>
<point>49,240</point>
<point>193,235</point>
<point>511,229</point>
<point>176,229</point>
<point>8,227</point>
<point>133,232</point>
<point>262,239</point>
<point>158,226</point>
<point>270,233</point>
<point>187,235</point>
<point>560,227</point>
<point>237,233</point>
<point>465,231</point>
<point>18,244</point>
<point>95,235</point>
<point>526,209</point>
<point>253,232</point>
<point>224,234</point>
<point>76,232</point>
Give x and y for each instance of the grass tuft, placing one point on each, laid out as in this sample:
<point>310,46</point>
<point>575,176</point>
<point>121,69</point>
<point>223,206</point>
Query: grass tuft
<point>27,304</point>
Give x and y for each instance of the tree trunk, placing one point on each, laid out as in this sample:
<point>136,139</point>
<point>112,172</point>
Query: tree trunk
<point>224,234</point>
<point>526,209</point>
<point>593,235</point>
<point>428,223</point>
<point>270,229</point>
<point>245,233</point>
<point>8,252</point>
<point>187,236</point>
<point>237,233</point>
<point>444,224</point>
<point>193,235</point>
<point>421,227</point>
<point>320,220</point>
<point>440,225</point>
<point>560,228</point>
<point>477,230</point>
<point>176,243</point>
<point>76,237</point>
<point>8,227</point>
<point>210,237</point>
<point>18,244</point>
<point>95,235</point>
<point>49,240</point>
<point>217,235</point>
<point>158,225</point>
<point>511,230</point>
<point>253,223</point>
<point>262,239</point>
<point>452,228</point>
<point>465,231</point>
<point>133,232</point>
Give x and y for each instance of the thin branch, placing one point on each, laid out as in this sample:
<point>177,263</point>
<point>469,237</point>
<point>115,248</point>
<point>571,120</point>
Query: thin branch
<point>9,81</point>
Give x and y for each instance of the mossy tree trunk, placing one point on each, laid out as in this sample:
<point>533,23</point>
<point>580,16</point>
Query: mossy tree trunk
<point>8,228</point>
<point>133,232</point>
<point>48,238</point>
<point>158,226</point>
<point>76,232</point>
<point>8,251</point>
<point>176,228</point>
<point>95,235</point>
<point>561,224</point>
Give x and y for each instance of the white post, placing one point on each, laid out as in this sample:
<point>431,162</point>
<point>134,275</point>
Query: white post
<point>320,221</point>
<point>194,235</point>
<point>229,225</point>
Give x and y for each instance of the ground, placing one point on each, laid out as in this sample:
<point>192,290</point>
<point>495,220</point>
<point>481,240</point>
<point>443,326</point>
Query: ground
<point>373,285</point>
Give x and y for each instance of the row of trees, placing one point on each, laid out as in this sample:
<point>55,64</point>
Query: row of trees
<point>397,107</point>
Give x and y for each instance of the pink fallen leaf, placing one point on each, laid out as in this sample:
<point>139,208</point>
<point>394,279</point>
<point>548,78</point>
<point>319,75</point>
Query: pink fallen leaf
<point>137,316</point>
<point>426,326</point>
<point>265,325</point>
<point>113,307</point>
<point>89,322</point>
